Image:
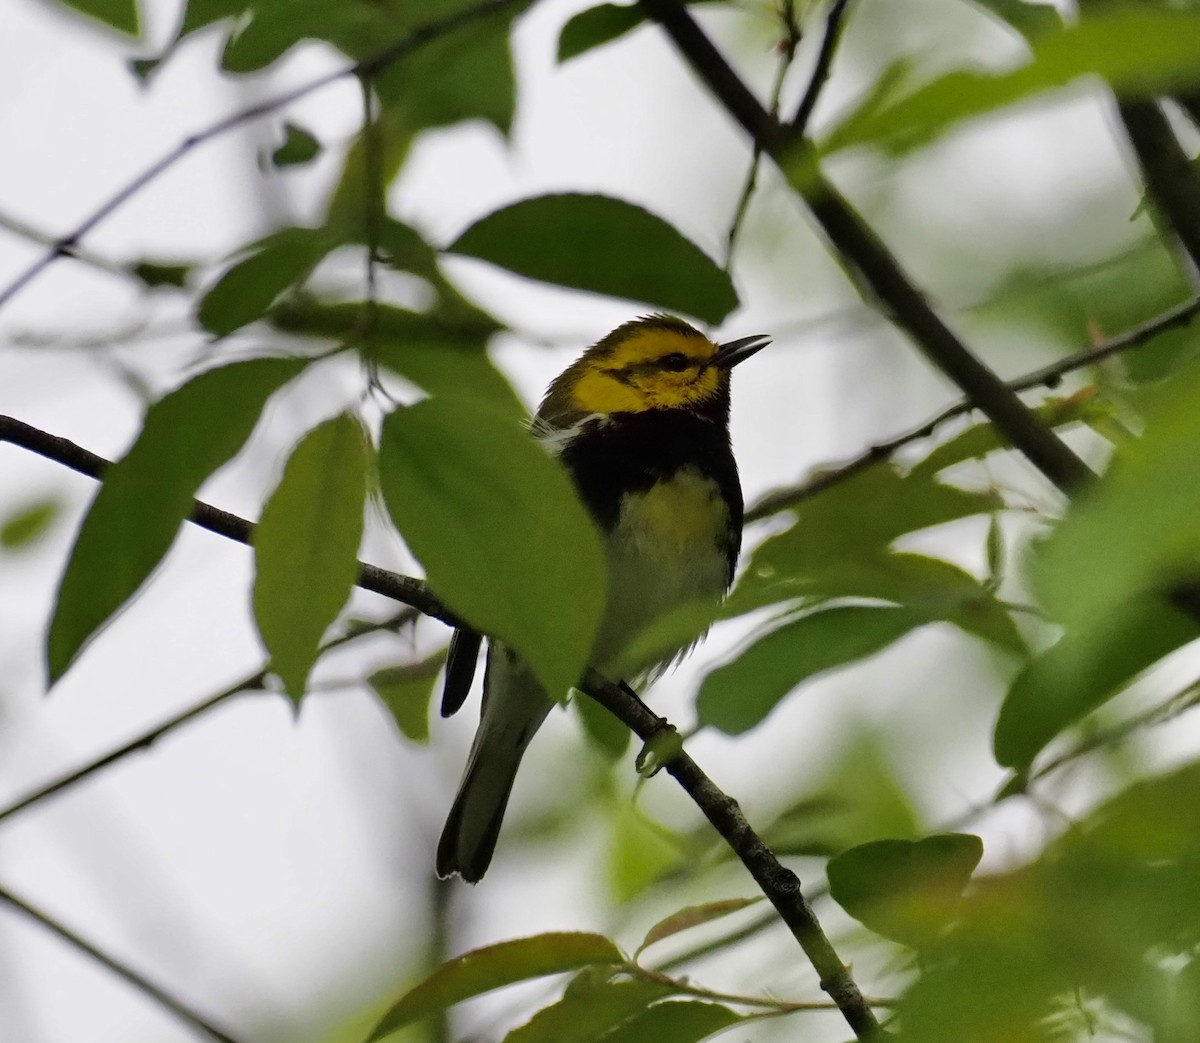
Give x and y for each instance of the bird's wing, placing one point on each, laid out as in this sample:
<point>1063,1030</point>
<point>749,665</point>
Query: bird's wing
<point>460,668</point>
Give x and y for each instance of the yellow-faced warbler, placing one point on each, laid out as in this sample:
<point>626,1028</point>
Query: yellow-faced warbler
<point>641,423</point>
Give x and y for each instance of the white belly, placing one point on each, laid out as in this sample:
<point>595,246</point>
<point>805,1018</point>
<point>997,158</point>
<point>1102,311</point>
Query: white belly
<point>665,550</point>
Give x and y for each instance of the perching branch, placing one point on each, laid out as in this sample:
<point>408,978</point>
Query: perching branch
<point>1171,181</point>
<point>1047,376</point>
<point>834,22</point>
<point>780,885</point>
<point>366,68</point>
<point>867,256</point>
<point>176,1006</point>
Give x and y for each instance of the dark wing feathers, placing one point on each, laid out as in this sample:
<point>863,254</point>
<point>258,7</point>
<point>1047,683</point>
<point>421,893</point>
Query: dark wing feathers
<point>460,668</point>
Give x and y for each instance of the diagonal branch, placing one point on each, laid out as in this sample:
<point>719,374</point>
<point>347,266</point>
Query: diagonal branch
<point>1048,376</point>
<point>867,256</point>
<point>176,1006</point>
<point>418,38</point>
<point>834,22</point>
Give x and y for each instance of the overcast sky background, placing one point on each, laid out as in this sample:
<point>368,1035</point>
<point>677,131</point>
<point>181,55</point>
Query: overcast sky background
<point>276,873</point>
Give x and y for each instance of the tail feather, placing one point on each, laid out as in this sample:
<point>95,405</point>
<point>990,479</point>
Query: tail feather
<point>514,707</point>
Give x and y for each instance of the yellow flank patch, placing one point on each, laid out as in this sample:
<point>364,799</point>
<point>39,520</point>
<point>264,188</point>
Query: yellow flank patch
<point>685,514</point>
<point>628,380</point>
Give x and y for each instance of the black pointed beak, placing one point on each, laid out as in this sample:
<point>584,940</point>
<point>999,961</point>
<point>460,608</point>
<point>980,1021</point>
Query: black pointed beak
<point>735,351</point>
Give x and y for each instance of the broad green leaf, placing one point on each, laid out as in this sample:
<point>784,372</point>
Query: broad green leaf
<point>495,966</point>
<point>306,546</point>
<point>640,853</point>
<point>299,147</point>
<point>737,696</point>
<point>1029,18</point>
<point>906,890</point>
<point>1096,559</point>
<point>586,1015</point>
<point>1166,58</point>
<point>599,25</point>
<point>694,916</point>
<point>121,15</point>
<point>498,527</point>
<point>25,525</point>
<point>147,495</point>
<point>604,245</point>
<point>606,734</point>
<point>1082,672</point>
<point>245,292</point>
<point>406,691</point>
<point>676,1021</point>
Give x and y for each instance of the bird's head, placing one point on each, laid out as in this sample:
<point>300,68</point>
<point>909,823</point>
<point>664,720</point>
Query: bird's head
<point>654,363</point>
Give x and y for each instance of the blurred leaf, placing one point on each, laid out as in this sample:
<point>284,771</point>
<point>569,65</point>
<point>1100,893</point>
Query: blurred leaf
<point>906,890</point>
<point>155,273</point>
<point>640,853</point>
<point>306,546</point>
<point>499,529</point>
<point>603,245</point>
<point>694,916</point>
<point>676,1021</point>
<point>737,696</point>
<point>299,147</point>
<point>26,525</point>
<point>406,691</point>
<point>1082,672</point>
<point>146,496</point>
<point>586,1015</point>
<point>1030,19</point>
<point>393,139</point>
<point>1165,59</point>
<point>121,15</point>
<point>605,733</point>
<point>247,290</point>
<point>1095,560</point>
<point>597,26</point>
<point>495,966</point>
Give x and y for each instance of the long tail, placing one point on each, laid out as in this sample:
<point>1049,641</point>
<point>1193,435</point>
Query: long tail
<point>514,707</point>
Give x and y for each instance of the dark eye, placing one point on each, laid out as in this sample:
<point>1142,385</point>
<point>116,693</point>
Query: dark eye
<point>676,362</point>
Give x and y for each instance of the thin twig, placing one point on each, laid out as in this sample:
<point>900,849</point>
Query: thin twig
<point>834,22</point>
<point>1171,182</point>
<point>412,41</point>
<point>254,681</point>
<point>176,1006</point>
<point>684,987</point>
<point>94,260</point>
<point>1047,376</point>
<point>406,589</point>
<point>373,203</point>
<point>865,254</point>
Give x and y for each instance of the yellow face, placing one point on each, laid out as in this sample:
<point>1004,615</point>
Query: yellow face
<point>651,368</point>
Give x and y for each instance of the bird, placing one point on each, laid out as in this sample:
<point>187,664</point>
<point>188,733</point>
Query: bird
<point>640,421</point>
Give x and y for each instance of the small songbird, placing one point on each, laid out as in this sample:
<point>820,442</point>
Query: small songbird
<point>641,423</point>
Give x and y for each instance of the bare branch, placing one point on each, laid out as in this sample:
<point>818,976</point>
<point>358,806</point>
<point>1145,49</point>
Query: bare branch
<point>1048,376</point>
<point>778,883</point>
<point>176,1006</point>
<point>412,41</point>
<point>834,22</point>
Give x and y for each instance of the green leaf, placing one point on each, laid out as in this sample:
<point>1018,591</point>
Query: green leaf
<point>406,691</point>
<point>148,494</point>
<point>676,1021</point>
<point>1082,672</point>
<point>495,966</point>
<point>737,696</point>
<point>693,916</point>
<point>156,273</point>
<point>585,1015</point>
<point>306,547</point>
<point>121,15</point>
<point>603,245</point>
<point>26,525</point>
<point>640,853</point>
<point>499,529</point>
<point>906,890</point>
<point>299,147</point>
<point>1166,59</point>
<point>1031,20</point>
<point>600,25</point>
<point>245,292</point>
<point>606,734</point>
